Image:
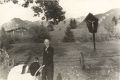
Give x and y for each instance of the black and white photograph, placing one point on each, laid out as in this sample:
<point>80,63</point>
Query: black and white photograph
<point>59,39</point>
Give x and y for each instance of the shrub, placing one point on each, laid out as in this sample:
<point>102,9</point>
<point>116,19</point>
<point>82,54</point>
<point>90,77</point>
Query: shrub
<point>39,33</point>
<point>50,27</point>
<point>73,24</point>
<point>4,40</point>
<point>69,37</point>
<point>13,39</point>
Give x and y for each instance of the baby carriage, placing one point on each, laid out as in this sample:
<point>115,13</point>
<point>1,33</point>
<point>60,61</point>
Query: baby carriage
<point>15,73</point>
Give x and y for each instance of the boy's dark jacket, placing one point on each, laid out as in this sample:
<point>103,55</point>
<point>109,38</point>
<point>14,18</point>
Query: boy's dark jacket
<point>33,68</point>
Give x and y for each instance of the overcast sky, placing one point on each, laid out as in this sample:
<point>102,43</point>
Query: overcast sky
<point>73,8</point>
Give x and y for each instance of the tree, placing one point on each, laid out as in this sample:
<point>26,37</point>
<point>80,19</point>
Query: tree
<point>50,27</point>
<point>73,24</point>
<point>39,33</point>
<point>114,20</point>
<point>64,22</point>
<point>4,41</point>
<point>69,37</point>
<point>50,8</point>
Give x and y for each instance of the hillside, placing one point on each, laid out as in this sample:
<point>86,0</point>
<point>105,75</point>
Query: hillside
<point>15,23</point>
<point>107,28</point>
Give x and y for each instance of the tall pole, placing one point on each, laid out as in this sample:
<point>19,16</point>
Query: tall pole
<point>93,35</point>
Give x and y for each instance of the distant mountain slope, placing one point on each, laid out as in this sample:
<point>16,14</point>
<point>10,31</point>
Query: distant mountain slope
<point>106,28</point>
<point>106,20</point>
<point>15,23</point>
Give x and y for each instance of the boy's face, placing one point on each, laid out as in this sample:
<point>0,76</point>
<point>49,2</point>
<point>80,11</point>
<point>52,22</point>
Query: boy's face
<point>36,60</point>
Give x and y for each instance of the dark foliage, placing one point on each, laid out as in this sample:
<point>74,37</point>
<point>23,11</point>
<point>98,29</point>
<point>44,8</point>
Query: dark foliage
<point>51,9</point>
<point>73,24</point>
<point>4,40</point>
<point>50,27</point>
<point>69,37</point>
<point>39,33</point>
<point>114,19</point>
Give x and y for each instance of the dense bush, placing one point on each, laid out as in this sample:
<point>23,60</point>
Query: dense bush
<point>4,39</point>
<point>69,37</point>
<point>13,39</point>
<point>50,27</point>
<point>39,33</point>
<point>73,24</point>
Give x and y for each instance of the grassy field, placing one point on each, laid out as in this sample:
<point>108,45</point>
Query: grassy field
<point>100,65</point>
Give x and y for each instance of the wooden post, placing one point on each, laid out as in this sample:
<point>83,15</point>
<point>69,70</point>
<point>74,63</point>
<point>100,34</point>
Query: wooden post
<point>94,42</point>
<point>82,62</point>
<point>93,36</point>
<point>59,76</point>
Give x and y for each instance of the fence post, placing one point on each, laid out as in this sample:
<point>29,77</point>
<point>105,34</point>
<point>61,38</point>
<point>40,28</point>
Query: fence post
<point>82,61</point>
<point>59,76</point>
